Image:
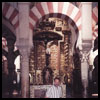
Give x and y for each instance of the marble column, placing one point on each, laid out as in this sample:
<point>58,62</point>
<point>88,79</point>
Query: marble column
<point>24,72</point>
<point>86,20</point>
<point>86,43</point>
<point>24,47</point>
<point>84,72</point>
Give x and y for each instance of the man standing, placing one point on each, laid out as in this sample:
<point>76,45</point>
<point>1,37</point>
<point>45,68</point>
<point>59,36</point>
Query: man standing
<point>55,91</point>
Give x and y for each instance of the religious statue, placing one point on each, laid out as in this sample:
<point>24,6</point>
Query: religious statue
<point>47,55</point>
<point>47,76</point>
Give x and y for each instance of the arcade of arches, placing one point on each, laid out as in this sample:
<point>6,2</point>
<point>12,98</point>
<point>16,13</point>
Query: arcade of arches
<point>44,40</point>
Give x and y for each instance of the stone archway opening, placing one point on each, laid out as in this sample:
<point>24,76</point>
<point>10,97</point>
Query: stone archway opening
<point>71,34</point>
<point>60,48</point>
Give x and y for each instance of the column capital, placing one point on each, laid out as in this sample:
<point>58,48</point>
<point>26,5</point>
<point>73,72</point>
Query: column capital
<point>87,45</point>
<point>84,56</point>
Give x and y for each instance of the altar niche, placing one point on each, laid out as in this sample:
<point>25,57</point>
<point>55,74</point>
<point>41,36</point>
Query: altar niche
<point>50,56</point>
<point>45,58</point>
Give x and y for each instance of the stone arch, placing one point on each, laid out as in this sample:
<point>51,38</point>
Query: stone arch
<point>9,23</point>
<point>63,10</point>
<point>95,22</point>
<point>95,16</point>
<point>8,34</point>
<point>56,9</point>
<point>11,14</point>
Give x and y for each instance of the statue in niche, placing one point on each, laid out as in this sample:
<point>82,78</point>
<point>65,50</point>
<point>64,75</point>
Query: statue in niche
<point>38,79</point>
<point>47,55</point>
<point>47,76</point>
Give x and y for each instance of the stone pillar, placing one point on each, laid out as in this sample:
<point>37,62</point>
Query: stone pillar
<point>84,72</point>
<point>86,20</point>
<point>11,67</point>
<point>24,47</point>
<point>86,43</point>
<point>24,71</point>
